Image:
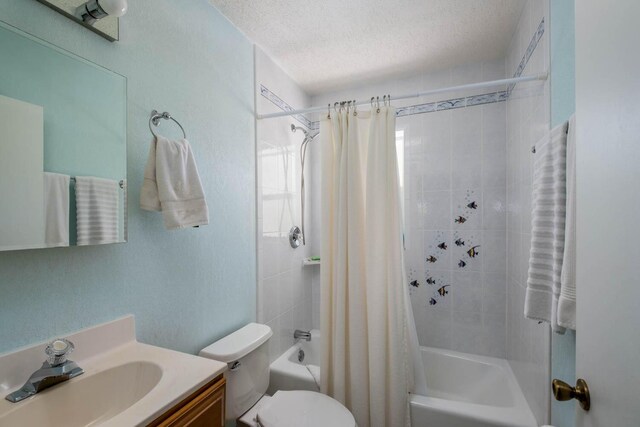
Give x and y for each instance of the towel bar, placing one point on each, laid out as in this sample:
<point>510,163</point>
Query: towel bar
<point>155,119</point>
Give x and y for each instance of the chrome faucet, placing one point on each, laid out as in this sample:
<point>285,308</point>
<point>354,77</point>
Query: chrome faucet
<point>305,335</point>
<point>54,370</point>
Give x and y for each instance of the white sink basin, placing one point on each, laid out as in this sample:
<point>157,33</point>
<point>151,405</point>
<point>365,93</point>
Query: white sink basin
<point>89,399</point>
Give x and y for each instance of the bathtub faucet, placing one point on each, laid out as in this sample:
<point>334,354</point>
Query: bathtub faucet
<point>305,335</point>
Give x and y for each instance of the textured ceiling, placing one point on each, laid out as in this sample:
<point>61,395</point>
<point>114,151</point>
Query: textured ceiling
<point>332,44</point>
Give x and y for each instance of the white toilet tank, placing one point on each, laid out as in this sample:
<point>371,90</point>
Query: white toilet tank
<point>245,351</point>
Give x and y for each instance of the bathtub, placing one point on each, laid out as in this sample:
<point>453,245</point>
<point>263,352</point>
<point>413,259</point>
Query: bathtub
<point>464,390</point>
<point>287,373</point>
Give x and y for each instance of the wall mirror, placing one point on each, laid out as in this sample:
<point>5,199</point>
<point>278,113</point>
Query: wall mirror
<point>63,151</point>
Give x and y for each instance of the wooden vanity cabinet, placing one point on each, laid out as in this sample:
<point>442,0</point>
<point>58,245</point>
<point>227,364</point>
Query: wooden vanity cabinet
<point>204,408</point>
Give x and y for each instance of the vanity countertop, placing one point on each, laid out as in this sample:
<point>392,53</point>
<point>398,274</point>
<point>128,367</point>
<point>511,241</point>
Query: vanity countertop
<point>109,366</point>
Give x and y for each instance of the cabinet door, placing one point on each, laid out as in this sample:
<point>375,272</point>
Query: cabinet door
<point>205,409</point>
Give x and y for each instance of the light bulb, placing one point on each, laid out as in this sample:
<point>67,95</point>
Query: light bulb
<point>115,8</point>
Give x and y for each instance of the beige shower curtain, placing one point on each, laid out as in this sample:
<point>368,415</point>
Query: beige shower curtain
<point>366,358</point>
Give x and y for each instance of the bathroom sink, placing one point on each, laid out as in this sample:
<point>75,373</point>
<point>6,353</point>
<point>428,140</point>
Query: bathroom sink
<point>89,399</point>
<point>125,382</point>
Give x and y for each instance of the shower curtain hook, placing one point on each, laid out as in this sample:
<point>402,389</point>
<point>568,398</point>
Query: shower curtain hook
<point>389,99</point>
<point>335,107</point>
<point>329,111</point>
<point>355,108</point>
<point>372,98</point>
<point>377,104</point>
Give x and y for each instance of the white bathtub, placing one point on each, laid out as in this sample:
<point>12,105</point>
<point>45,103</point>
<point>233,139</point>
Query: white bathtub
<point>287,373</point>
<point>464,390</point>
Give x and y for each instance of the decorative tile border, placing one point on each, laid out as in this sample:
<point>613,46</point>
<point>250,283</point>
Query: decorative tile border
<point>527,55</point>
<point>278,102</point>
<point>450,104</point>
<point>447,104</point>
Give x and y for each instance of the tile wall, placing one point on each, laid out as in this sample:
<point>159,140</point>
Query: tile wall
<point>528,343</point>
<point>284,285</point>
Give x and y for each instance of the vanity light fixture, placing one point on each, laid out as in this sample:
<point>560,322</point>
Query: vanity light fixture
<point>93,10</point>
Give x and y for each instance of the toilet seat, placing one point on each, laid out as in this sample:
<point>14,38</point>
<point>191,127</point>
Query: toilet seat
<point>302,408</point>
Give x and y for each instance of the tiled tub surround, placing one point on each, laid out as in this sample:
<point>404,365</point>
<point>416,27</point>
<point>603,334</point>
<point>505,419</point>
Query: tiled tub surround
<point>455,207</point>
<point>455,186</point>
<point>528,343</point>
<point>284,285</point>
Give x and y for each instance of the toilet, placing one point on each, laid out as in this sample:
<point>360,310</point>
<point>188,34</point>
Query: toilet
<point>245,352</point>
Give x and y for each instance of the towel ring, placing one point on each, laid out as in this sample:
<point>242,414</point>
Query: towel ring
<point>155,119</point>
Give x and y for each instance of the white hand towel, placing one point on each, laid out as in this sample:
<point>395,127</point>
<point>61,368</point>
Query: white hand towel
<point>97,210</point>
<point>149,199</point>
<point>56,209</point>
<point>547,234</point>
<point>172,180</point>
<point>567,300</point>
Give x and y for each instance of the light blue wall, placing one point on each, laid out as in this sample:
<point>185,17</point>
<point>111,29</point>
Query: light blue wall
<point>188,287</point>
<point>563,61</point>
<point>563,104</point>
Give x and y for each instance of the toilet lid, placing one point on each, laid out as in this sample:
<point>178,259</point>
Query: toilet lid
<point>304,409</point>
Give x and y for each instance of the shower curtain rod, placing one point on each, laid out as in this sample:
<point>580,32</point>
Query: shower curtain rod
<point>492,83</point>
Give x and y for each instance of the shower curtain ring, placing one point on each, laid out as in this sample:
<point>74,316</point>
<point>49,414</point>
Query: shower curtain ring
<point>372,98</point>
<point>377,104</point>
<point>335,105</point>
<point>329,111</point>
<point>355,108</point>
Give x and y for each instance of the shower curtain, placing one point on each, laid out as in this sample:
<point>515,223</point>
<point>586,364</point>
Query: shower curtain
<point>369,338</point>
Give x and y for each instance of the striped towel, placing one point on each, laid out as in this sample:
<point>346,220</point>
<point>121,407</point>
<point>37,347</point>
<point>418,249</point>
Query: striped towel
<point>548,228</point>
<point>567,301</point>
<point>96,210</point>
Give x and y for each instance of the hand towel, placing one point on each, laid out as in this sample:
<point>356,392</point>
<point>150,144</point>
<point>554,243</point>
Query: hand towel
<point>56,209</point>
<point>172,185</point>
<point>547,233</point>
<point>97,210</point>
<point>149,199</point>
<point>567,300</point>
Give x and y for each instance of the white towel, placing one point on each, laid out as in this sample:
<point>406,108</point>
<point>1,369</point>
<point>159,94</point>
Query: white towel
<point>149,199</point>
<point>567,300</point>
<point>547,234</point>
<point>172,185</point>
<point>97,210</point>
<point>56,209</point>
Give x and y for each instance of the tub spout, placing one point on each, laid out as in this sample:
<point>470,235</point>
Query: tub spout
<point>305,335</point>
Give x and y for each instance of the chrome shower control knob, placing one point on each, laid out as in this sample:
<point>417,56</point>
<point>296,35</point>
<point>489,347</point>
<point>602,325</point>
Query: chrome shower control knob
<point>295,237</point>
<point>58,350</point>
